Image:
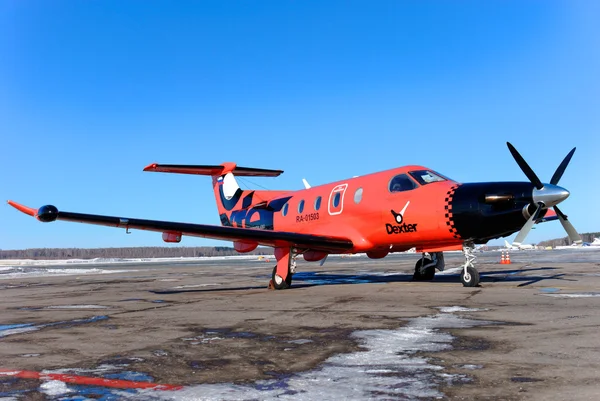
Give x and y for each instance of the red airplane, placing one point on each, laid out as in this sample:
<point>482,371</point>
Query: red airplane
<point>389,211</point>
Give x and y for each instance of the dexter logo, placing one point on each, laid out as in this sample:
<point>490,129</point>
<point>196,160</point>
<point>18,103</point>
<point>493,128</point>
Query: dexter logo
<point>399,218</point>
<point>404,228</point>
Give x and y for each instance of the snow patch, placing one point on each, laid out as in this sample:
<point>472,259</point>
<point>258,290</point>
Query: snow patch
<point>386,368</point>
<point>453,309</point>
<point>300,341</point>
<point>76,307</point>
<point>194,286</point>
<point>54,388</point>
<point>20,272</point>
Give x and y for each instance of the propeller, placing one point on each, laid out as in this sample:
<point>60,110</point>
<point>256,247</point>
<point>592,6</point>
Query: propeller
<point>545,196</point>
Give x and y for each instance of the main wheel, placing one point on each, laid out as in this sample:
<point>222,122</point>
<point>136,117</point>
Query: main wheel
<point>278,282</point>
<point>470,278</point>
<point>426,275</point>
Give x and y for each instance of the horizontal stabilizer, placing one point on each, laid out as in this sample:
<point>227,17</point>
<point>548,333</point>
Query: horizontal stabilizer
<point>213,170</point>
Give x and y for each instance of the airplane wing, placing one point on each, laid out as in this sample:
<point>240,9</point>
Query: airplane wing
<point>50,213</point>
<point>550,216</point>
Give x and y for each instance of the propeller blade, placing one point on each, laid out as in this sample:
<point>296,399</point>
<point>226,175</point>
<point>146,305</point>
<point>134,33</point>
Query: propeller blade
<point>561,169</point>
<point>525,167</point>
<point>527,227</point>
<point>571,232</point>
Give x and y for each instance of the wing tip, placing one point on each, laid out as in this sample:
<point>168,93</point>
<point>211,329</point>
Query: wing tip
<point>22,208</point>
<point>150,167</point>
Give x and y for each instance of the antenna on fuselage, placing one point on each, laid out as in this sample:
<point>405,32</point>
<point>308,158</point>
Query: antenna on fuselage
<point>306,184</point>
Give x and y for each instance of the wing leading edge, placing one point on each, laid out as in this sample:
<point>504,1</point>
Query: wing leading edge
<point>262,237</point>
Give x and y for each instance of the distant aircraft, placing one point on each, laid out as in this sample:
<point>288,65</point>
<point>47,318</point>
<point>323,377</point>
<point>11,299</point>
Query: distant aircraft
<point>522,247</point>
<point>388,211</point>
<point>586,245</point>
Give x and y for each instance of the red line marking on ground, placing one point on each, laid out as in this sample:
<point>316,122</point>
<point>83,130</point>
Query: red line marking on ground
<point>90,381</point>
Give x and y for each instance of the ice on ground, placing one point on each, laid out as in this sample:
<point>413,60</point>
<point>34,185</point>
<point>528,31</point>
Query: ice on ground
<point>35,262</point>
<point>575,295</point>
<point>10,329</point>
<point>300,341</point>
<point>471,367</point>
<point>387,367</point>
<point>7,330</point>
<point>449,271</point>
<point>54,388</point>
<point>76,307</point>
<point>194,286</point>
<point>453,309</point>
<point>21,272</point>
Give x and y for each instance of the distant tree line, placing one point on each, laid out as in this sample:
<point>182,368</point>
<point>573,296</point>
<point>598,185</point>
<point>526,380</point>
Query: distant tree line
<point>127,253</point>
<point>586,237</point>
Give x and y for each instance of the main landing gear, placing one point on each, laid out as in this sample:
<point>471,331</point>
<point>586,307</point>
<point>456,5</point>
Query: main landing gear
<point>281,278</point>
<point>469,276</point>
<point>425,267</point>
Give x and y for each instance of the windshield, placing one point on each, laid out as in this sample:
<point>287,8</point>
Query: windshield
<point>425,177</point>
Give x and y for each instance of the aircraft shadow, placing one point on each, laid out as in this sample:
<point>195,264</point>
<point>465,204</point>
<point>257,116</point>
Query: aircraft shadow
<point>311,279</point>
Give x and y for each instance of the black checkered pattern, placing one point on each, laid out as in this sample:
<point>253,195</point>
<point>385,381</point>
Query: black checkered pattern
<point>448,215</point>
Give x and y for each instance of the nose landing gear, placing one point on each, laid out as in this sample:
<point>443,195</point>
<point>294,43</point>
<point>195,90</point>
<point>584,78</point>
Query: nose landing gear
<point>469,276</point>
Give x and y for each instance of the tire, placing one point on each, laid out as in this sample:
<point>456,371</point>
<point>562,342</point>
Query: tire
<point>427,275</point>
<point>472,280</point>
<point>278,283</point>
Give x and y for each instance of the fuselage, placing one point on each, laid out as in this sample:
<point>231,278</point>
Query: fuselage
<point>391,211</point>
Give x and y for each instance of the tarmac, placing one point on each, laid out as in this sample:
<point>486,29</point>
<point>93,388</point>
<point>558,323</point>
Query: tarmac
<point>353,328</point>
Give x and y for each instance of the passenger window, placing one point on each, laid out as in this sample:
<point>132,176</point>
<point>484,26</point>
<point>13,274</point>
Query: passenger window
<point>318,203</point>
<point>336,199</point>
<point>284,210</point>
<point>401,183</point>
<point>358,195</point>
<point>301,206</point>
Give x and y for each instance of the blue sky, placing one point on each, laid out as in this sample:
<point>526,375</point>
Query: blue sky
<point>93,91</point>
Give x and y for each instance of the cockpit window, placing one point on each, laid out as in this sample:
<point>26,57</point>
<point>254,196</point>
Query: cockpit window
<point>425,177</point>
<point>400,183</point>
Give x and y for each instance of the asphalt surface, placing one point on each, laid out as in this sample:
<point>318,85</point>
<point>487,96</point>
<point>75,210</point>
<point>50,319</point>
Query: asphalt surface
<point>529,331</point>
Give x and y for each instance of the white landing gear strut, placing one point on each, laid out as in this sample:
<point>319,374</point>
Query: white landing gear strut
<point>469,275</point>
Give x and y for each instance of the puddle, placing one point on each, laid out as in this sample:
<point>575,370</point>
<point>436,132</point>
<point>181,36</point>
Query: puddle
<point>549,290</point>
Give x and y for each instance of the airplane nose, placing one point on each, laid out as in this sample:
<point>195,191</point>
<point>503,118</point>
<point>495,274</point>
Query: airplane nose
<point>550,195</point>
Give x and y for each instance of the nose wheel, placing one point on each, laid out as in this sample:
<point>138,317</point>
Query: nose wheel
<point>469,275</point>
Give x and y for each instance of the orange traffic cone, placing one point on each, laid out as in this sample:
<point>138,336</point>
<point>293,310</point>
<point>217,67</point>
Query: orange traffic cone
<point>502,259</point>
<point>507,261</point>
